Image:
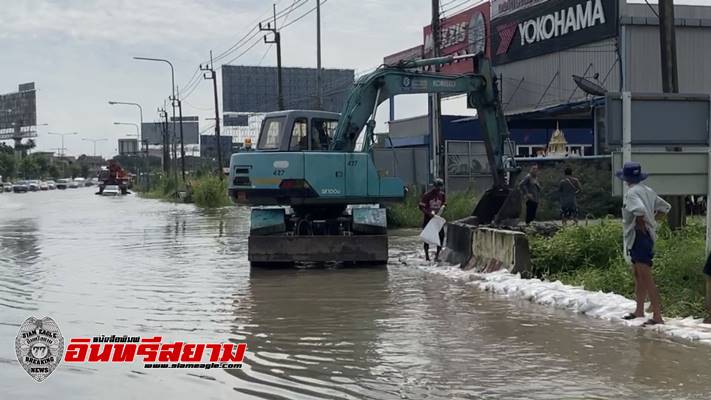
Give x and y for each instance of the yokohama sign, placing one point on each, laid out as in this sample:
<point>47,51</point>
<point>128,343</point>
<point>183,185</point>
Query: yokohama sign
<point>552,26</point>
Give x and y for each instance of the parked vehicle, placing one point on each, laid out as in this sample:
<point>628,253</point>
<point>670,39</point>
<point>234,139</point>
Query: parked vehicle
<point>111,190</point>
<point>62,184</point>
<point>43,186</point>
<point>51,185</point>
<point>21,187</point>
<point>73,185</point>
<point>33,185</point>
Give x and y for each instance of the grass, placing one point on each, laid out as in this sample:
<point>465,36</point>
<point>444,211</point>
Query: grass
<point>205,191</point>
<point>407,214</point>
<point>210,192</point>
<point>591,257</point>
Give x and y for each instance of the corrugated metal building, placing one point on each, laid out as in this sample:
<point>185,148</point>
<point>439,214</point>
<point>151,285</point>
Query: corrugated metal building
<point>540,82</point>
<point>537,47</point>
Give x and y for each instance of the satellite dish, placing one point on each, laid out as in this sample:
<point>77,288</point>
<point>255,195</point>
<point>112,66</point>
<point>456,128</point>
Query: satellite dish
<point>588,86</point>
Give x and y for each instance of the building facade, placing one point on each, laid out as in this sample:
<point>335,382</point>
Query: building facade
<point>537,47</point>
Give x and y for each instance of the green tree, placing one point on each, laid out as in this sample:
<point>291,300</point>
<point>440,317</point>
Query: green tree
<point>53,171</point>
<point>8,165</point>
<point>84,170</point>
<point>29,168</point>
<point>74,170</point>
<point>5,149</point>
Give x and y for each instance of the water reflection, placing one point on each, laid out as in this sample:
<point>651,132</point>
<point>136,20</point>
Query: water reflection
<point>20,251</point>
<point>154,268</point>
<point>312,332</point>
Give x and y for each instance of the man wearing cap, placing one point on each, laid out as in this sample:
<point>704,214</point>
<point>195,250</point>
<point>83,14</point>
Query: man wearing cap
<point>430,204</point>
<point>642,207</point>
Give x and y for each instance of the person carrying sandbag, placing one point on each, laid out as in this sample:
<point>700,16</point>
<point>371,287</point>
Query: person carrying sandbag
<point>430,204</point>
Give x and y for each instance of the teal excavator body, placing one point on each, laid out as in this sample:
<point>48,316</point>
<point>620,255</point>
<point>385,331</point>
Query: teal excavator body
<point>315,189</point>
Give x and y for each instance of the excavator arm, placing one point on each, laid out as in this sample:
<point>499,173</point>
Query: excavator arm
<point>497,204</point>
<point>373,89</point>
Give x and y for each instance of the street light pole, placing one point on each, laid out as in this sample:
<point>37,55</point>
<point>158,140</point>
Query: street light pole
<point>61,154</point>
<point>94,142</point>
<point>140,112</point>
<point>172,88</point>
<point>132,124</point>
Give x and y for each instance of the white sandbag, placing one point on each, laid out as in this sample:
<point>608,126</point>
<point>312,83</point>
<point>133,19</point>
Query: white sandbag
<point>430,234</point>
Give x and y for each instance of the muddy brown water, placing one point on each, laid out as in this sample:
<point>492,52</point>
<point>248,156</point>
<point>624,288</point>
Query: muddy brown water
<point>141,267</point>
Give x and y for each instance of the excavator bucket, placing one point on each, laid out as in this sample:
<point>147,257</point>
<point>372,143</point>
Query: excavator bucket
<point>498,205</point>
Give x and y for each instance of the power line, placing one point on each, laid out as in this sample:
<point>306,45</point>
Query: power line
<point>302,16</point>
<point>246,38</point>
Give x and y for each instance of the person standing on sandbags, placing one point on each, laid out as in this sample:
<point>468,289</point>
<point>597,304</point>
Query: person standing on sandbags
<point>642,207</point>
<point>430,205</point>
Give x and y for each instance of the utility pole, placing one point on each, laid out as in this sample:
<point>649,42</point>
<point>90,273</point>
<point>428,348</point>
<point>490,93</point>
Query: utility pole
<point>164,137</point>
<point>182,140</point>
<point>436,103</point>
<point>670,84</point>
<point>213,77</point>
<point>277,41</point>
<point>319,94</point>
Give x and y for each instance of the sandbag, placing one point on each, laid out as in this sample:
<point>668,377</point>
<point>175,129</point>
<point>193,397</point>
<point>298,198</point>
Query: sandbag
<point>430,234</point>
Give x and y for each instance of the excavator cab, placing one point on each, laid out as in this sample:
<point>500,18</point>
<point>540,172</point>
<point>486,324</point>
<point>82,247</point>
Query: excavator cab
<point>297,130</point>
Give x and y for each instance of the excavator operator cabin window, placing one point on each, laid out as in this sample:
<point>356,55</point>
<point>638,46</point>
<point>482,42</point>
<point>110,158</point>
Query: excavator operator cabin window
<point>299,135</point>
<point>270,137</point>
<point>322,131</point>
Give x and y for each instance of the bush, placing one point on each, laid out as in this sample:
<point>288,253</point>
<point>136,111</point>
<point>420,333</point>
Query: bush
<point>592,257</point>
<point>576,247</point>
<point>210,192</point>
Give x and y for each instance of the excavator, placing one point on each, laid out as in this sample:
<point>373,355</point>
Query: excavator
<point>315,192</point>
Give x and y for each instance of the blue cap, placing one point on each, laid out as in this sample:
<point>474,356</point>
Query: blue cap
<point>631,172</point>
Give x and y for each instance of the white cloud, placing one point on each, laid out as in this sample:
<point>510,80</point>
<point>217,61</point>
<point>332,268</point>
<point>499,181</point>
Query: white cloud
<point>80,52</point>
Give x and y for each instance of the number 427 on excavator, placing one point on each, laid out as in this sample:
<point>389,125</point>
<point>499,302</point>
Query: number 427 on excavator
<point>313,184</point>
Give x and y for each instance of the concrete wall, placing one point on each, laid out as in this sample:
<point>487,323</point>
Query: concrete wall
<point>487,249</point>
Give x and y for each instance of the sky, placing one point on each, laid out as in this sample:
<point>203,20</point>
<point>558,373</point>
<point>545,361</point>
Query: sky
<point>79,53</point>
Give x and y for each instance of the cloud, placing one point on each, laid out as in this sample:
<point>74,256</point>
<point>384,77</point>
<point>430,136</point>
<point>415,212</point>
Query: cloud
<point>80,51</point>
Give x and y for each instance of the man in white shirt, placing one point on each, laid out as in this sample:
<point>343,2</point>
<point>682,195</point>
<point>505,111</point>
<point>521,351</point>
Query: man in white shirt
<point>642,207</point>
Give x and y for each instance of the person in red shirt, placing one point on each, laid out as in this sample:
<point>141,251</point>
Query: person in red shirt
<point>430,204</point>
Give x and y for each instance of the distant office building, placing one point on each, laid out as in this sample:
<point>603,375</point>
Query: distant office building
<point>208,147</point>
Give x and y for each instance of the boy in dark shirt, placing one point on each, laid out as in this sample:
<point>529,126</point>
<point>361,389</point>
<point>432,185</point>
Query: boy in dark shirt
<point>430,204</point>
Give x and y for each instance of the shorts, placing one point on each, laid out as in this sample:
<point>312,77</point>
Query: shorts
<point>569,212</point>
<point>642,250</point>
<point>707,267</point>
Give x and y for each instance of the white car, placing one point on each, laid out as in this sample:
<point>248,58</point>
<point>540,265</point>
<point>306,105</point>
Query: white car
<point>73,185</point>
<point>43,186</point>
<point>111,190</point>
<point>51,185</point>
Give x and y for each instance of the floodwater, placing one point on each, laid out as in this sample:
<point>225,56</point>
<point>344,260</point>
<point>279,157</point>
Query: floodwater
<point>144,268</point>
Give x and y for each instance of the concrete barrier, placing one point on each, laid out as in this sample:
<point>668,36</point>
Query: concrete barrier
<point>487,249</point>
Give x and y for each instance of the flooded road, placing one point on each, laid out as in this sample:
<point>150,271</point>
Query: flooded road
<point>145,268</point>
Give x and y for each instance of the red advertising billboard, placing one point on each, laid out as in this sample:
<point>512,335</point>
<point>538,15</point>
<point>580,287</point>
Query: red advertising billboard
<point>464,33</point>
<point>413,53</point>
